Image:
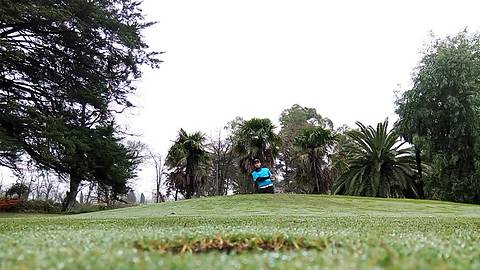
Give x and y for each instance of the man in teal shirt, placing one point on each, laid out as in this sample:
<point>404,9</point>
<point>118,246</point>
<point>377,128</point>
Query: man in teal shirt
<point>262,176</point>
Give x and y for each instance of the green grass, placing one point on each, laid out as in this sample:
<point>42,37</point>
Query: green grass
<point>354,233</point>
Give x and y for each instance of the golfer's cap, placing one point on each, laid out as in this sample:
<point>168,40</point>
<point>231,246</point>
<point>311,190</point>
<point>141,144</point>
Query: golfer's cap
<point>256,160</point>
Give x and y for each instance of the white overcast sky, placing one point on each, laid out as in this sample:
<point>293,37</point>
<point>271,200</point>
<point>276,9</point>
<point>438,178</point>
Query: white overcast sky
<point>255,58</point>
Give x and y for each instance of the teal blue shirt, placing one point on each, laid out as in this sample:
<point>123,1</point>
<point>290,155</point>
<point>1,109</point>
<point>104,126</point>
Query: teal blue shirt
<point>263,176</point>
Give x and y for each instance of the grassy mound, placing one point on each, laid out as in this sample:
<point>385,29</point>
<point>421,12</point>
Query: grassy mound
<point>295,205</point>
<point>213,233</point>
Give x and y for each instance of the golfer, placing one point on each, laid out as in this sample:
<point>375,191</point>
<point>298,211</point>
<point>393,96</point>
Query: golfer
<point>262,177</point>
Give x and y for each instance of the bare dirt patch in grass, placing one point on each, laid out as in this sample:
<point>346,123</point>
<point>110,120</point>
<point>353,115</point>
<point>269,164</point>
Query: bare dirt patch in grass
<point>232,244</point>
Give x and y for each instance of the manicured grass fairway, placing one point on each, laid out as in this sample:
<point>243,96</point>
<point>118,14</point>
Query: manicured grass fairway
<point>360,233</point>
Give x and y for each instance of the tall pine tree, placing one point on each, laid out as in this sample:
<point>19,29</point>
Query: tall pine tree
<point>67,69</point>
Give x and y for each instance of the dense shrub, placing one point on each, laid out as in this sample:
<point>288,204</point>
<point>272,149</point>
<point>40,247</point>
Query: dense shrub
<point>18,189</point>
<point>86,208</point>
<point>36,206</point>
<point>51,207</point>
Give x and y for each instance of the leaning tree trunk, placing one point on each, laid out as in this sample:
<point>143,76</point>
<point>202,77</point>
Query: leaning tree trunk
<point>69,200</point>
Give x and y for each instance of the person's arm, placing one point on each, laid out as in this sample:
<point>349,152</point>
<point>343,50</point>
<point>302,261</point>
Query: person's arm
<point>271,175</point>
<point>257,178</point>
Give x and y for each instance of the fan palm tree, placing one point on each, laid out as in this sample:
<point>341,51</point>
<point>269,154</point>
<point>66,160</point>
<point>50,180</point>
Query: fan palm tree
<point>313,145</point>
<point>378,164</point>
<point>186,158</point>
<point>255,138</point>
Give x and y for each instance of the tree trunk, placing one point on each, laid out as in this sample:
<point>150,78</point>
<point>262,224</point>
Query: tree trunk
<point>81,197</point>
<point>38,190</point>
<point>90,188</point>
<point>217,177</point>
<point>158,172</point>
<point>69,200</point>
<point>190,178</point>
<point>317,191</point>
<point>189,189</point>
<point>159,196</point>
<point>420,184</point>
<point>226,188</point>
<point>48,188</point>
<point>249,186</point>
<point>29,189</point>
<point>315,173</point>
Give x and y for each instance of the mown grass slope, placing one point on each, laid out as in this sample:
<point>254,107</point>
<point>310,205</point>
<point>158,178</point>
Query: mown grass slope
<point>355,232</point>
<point>295,205</point>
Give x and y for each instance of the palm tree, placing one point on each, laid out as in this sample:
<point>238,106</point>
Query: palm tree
<point>378,164</point>
<point>186,158</point>
<point>255,138</point>
<point>313,145</point>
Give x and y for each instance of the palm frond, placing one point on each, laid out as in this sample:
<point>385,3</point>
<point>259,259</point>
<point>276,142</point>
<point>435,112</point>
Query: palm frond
<point>379,164</point>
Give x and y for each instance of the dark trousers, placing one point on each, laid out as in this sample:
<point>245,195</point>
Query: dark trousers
<point>266,190</point>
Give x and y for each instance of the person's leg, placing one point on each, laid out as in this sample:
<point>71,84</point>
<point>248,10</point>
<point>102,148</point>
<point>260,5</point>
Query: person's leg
<point>266,190</point>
